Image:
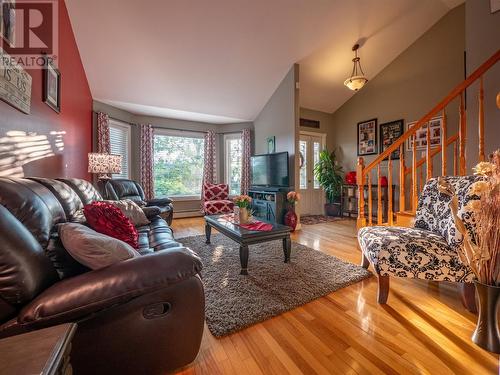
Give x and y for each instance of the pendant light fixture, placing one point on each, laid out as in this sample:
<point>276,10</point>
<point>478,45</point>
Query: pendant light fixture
<point>357,79</point>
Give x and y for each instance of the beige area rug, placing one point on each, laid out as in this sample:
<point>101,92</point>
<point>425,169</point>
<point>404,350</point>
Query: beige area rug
<point>234,301</point>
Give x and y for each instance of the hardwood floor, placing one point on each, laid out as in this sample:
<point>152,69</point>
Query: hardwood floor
<point>423,328</point>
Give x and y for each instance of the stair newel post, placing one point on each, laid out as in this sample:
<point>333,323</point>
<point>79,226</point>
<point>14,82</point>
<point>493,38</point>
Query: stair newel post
<point>462,136</point>
<point>402,178</point>
<point>444,140</point>
<point>414,194</point>
<point>370,199</point>
<point>428,157</point>
<point>481,120</point>
<point>390,214</point>
<point>379,196</point>
<point>360,178</point>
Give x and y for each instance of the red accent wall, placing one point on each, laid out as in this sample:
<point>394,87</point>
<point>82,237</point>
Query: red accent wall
<point>46,143</point>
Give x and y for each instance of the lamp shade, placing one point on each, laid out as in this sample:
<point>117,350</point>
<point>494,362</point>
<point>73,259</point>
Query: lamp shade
<point>355,83</point>
<point>104,163</point>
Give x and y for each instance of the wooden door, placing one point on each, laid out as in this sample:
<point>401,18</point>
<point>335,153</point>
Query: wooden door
<point>313,200</point>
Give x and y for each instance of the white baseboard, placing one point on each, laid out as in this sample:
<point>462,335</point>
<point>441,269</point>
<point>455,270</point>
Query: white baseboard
<point>185,214</point>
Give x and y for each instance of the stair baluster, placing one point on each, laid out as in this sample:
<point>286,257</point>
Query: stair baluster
<point>444,141</point>
<point>481,120</point>
<point>402,178</point>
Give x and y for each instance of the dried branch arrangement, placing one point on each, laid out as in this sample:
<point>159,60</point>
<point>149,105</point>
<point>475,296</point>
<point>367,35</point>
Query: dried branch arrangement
<point>481,253</point>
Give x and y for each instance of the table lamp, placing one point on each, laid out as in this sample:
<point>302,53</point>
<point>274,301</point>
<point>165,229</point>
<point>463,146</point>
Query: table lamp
<point>104,165</point>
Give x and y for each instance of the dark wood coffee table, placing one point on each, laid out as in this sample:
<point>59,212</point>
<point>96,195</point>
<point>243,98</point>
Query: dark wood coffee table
<point>245,237</point>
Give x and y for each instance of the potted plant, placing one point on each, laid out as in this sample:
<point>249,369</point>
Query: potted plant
<point>330,176</point>
<point>480,249</point>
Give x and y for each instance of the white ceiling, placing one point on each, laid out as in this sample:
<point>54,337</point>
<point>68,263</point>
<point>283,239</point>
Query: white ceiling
<point>220,60</point>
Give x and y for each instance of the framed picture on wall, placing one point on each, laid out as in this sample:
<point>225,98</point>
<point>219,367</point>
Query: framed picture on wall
<point>271,145</point>
<point>420,136</point>
<point>367,137</point>
<point>51,85</point>
<point>389,132</point>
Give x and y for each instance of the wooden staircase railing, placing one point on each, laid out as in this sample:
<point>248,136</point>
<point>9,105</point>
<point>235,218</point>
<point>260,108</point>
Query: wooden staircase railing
<point>415,171</point>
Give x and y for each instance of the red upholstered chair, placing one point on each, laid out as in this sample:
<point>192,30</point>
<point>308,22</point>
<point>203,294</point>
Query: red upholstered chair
<point>216,199</point>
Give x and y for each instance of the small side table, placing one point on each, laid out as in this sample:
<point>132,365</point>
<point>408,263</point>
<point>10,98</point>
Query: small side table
<point>46,352</point>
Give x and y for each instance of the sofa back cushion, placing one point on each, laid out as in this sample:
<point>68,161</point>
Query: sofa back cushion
<point>25,270</point>
<point>33,205</point>
<point>215,192</point>
<point>434,212</point>
<point>84,189</point>
<point>120,188</point>
<point>70,201</point>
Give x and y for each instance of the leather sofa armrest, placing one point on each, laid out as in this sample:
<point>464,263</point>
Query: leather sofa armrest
<point>151,211</point>
<point>159,202</point>
<point>73,298</point>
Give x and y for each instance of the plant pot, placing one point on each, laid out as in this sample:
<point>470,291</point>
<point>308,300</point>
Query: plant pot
<point>291,219</point>
<point>243,215</point>
<point>487,335</point>
<point>332,209</point>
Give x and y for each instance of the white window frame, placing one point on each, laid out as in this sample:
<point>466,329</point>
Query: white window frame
<point>128,129</point>
<point>185,134</point>
<point>228,137</point>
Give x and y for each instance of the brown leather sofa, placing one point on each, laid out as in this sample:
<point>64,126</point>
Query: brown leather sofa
<point>121,188</point>
<point>140,316</point>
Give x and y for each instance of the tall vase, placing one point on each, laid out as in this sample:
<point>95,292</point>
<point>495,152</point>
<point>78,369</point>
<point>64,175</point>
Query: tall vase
<point>291,217</point>
<point>243,215</point>
<point>487,335</point>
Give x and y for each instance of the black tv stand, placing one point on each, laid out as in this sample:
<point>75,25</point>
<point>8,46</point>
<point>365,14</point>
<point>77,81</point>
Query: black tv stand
<point>269,202</point>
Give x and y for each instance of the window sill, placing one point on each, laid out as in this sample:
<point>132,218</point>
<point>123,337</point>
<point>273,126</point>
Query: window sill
<point>182,198</point>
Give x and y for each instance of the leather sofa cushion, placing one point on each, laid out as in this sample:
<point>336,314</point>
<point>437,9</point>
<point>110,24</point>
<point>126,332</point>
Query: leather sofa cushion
<point>33,205</point>
<point>25,270</point>
<point>157,236</point>
<point>125,189</point>
<point>84,189</point>
<point>93,249</point>
<point>66,196</point>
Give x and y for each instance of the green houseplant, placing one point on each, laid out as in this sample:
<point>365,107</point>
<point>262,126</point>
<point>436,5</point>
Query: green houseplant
<point>330,176</point>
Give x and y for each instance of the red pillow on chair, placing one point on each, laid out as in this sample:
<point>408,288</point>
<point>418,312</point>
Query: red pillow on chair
<point>107,219</point>
<point>215,192</point>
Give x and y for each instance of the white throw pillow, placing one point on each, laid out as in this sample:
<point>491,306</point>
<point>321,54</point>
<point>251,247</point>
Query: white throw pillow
<point>132,211</point>
<point>92,249</point>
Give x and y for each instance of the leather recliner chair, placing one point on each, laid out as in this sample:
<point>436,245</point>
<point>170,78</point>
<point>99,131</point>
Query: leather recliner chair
<point>140,316</point>
<point>121,188</point>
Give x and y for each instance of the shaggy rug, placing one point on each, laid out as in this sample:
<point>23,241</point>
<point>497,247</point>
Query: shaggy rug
<point>318,219</point>
<point>234,301</point>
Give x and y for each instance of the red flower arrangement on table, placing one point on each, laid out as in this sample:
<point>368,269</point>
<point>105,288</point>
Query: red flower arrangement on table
<point>291,217</point>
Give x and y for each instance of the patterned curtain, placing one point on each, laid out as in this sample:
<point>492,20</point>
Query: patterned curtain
<point>147,181</point>
<point>103,143</point>
<point>209,167</point>
<point>245,160</point>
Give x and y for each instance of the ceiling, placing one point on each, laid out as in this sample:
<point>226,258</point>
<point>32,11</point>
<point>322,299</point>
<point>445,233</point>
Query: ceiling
<point>219,61</point>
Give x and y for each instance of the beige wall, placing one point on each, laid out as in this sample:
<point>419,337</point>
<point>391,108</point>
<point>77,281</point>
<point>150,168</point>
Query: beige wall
<point>408,87</point>
<point>279,118</point>
<point>325,123</point>
<point>482,39</point>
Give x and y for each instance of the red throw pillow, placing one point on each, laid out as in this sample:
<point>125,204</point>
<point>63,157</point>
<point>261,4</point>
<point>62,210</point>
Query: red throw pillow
<point>109,220</point>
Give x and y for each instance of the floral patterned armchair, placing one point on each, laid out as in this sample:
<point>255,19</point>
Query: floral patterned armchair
<point>215,199</point>
<point>427,251</point>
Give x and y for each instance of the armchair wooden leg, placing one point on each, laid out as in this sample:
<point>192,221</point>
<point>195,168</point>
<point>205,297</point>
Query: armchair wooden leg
<point>383,289</point>
<point>364,261</point>
<point>468,294</point>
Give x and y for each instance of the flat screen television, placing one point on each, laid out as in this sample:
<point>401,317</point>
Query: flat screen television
<point>270,170</point>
